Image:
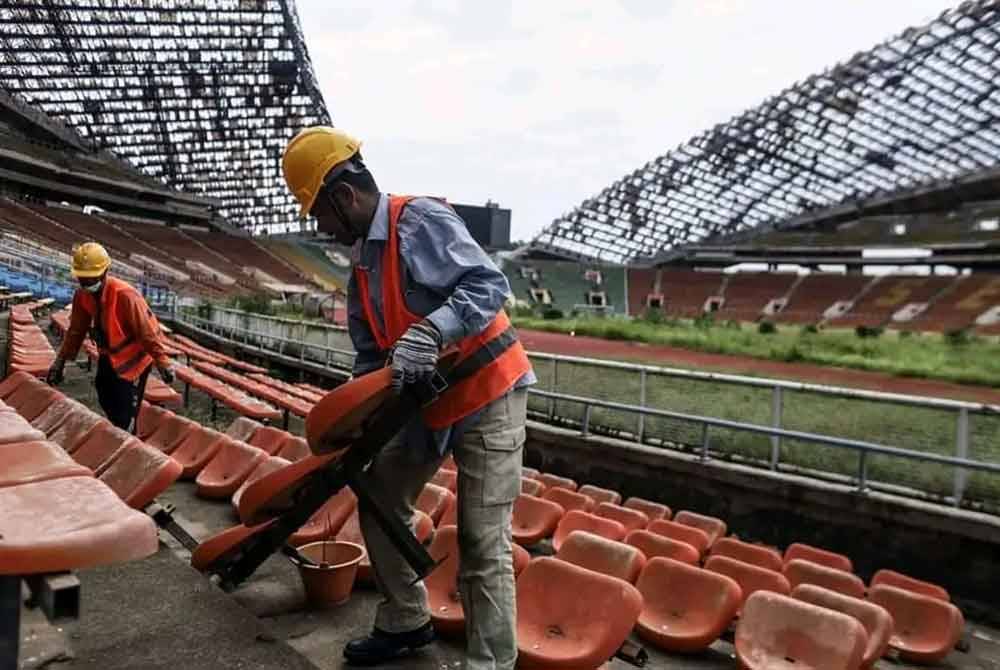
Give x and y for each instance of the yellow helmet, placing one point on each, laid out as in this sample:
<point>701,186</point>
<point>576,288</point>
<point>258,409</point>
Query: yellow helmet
<point>310,156</point>
<point>90,260</point>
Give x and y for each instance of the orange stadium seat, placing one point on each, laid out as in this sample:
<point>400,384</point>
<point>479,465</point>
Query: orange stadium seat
<point>653,545</point>
<point>817,555</point>
<point>231,465</point>
<point>925,629</point>
<point>685,608</point>
<point>172,431</point>
<point>534,519</point>
<point>197,450</point>
<point>713,527</point>
<point>532,487</point>
<point>555,481</point>
<point>630,518</point>
<point>265,467</point>
<point>242,428</point>
<point>902,581</point>
<point>877,621</point>
<point>443,598</point>
<point>578,520</point>
<point>751,578</point>
<point>102,445</point>
<point>800,571</point>
<point>140,473</point>
<point>569,500</point>
<point>695,537</point>
<point>26,462</point>
<point>651,509</point>
<point>599,495</point>
<point>615,559</point>
<point>269,438</point>
<point>434,500</point>
<point>446,478</point>
<point>14,428</point>
<point>755,554</point>
<point>328,519</point>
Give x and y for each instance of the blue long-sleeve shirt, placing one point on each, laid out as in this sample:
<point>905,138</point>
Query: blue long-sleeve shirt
<point>447,279</point>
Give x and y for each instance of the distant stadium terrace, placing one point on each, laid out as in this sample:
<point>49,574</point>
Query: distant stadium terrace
<point>914,119</point>
<point>202,96</point>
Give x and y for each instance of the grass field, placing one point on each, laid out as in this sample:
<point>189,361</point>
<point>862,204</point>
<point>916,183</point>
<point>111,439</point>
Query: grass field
<point>964,360</point>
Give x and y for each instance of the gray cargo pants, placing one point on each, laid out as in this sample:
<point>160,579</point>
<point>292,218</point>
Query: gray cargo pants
<point>489,480</point>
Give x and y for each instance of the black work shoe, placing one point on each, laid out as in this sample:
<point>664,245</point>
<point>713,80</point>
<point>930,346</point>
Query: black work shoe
<point>380,646</point>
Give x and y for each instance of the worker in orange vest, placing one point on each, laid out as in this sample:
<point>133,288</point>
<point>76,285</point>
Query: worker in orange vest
<point>421,283</point>
<point>123,327</point>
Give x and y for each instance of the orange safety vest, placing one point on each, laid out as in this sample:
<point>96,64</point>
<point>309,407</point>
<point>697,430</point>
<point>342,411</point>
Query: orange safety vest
<point>468,395</point>
<point>128,357</point>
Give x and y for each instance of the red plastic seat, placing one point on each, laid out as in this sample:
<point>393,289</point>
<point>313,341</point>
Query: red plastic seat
<point>295,449</point>
<point>171,432</point>
<point>615,559</point>
<point>653,545</point>
<point>569,500</point>
<point>450,516</point>
<point>73,430</point>
<point>269,438</point>
<point>242,428</point>
<point>800,571</point>
<point>755,554</point>
<point>149,419</point>
<point>443,598</point>
<point>25,462</point>
<point>55,414</point>
<point>529,473</point>
<point>686,608</point>
<point>695,537</point>
<point>816,555</point>
<point>632,519</point>
<point>140,473</point>
<point>751,578</point>
<point>875,618</point>
<point>653,510</point>
<point>231,465</point>
<point>599,495</point>
<point>101,446</point>
<point>197,450</point>
<point>555,481</point>
<point>534,519</point>
<point>266,466</point>
<point>569,617</point>
<point>434,500</point>
<point>13,381</point>
<point>532,487</point>
<point>13,429</point>
<point>713,527</point>
<point>577,520</point>
<point>160,393</point>
<point>777,631</point>
<point>901,581</point>
<point>328,519</point>
<point>67,524</point>
<point>446,479</point>
<point>449,464</point>
<point>30,401</point>
<point>925,628</point>
<point>342,411</point>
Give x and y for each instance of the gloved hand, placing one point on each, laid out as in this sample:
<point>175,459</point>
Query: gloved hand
<point>415,355</point>
<point>55,373</point>
<point>166,374</point>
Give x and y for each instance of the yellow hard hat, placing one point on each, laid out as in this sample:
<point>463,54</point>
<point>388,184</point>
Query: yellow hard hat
<point>90,260</point>
<point>310,156</point>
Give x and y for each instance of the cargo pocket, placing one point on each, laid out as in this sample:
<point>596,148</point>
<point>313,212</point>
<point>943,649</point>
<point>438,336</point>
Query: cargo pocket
<point>502,459</point>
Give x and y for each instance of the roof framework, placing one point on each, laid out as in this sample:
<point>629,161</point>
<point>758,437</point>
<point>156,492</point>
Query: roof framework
<point>917,110</point>
<point>202,94</point>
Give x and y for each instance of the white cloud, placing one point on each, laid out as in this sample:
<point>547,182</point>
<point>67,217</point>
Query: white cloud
<point>540,104</point>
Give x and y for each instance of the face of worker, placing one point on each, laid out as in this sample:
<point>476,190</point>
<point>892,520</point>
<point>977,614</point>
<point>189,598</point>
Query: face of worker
<point>339,212</point>
<point>92,284</point>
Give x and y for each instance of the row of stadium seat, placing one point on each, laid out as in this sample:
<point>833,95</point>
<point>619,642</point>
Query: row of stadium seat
<point>28,348</point>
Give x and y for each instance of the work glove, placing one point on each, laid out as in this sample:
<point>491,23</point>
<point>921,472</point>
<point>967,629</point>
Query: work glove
<point>55,373</point>
<point>415,355</point>
<point>166,374</point>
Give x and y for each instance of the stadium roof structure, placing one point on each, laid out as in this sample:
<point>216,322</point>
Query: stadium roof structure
<point>201,94</point>
<point>919,110</point>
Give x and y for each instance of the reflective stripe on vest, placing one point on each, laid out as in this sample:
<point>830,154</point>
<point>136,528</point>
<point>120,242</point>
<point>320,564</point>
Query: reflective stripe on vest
<point>127,355</point>
<point>474,392</point>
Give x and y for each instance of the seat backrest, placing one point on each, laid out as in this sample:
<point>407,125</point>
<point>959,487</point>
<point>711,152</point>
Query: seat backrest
<point>696,537</point>
<point>751,578</point>
<point>242,428</point>
<point>876,619</point>
<point>578,520</point>
<point>569,500</point>
<point>816,555</point>
<point>632,519</point>
<point>615,559</point>
<point>928,622</point>
<point>653,545</point>
<point>434,500</point>
<point>758,555</point>
<point>555,481</point>
<point>269,438</point>
<point>899,580</point>
<point>700,597</point>
<point>653,510</point>
<point>600,495</point>
<point>713,527</point>
<point>800,571</point>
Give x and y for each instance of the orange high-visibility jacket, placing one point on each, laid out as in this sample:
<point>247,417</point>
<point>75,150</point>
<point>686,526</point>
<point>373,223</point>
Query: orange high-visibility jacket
<point>132,330</point>
<point>468,395</point>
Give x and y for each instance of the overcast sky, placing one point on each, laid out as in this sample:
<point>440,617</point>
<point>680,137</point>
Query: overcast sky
<point>538,104</point>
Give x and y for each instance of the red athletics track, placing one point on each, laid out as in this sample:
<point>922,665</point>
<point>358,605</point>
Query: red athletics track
<point>655,354</point>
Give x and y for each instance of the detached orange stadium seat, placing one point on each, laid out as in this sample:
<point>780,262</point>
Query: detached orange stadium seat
<point>599,495</point>
<point>686,608</point>
<point>328,519</point>
<point>876,619</point>
<point>265,467</point>
<point>925,628</point>
<point>755,554</point>
<point>569,500</point>
<point>653,545</point>
<point>140,473</point>
<point>777,631</point>
<point>577,520</point>
<point>800,571</point>
<point>231,465</point>
<point>592,613</point>
<point>696,537</point>
<point>609,557</point>
<point>555,481</point>
<point>713,527</point>
<point>653,510</point>
<point>751,578</point>
<point>632,519</point>
<point>816,555</point>
<point>69,523</point>
<point>434,500</point>
<point>534,519</point>
<point>901,581</point>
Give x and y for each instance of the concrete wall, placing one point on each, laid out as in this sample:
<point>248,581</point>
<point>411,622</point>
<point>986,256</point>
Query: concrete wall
<point>955,548</point>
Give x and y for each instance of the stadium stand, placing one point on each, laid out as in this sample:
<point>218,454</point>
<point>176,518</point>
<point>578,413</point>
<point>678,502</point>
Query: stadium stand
<point>888,297</point>
<point>242,252</point>
<point>687,293</point>
<point>957,307</point>
<point>747,294</point>
<point>313,261</point>
<point>567,285</point>
<point>818,292</point>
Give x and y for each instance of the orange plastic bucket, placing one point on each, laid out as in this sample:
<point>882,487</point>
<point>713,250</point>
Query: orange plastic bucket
<point>329,582</point>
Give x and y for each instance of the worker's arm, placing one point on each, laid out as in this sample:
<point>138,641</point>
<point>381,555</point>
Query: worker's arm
<point>79,324</point>
<point>368,356</point>
<point>440,254</point>
<point>136,317</point>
